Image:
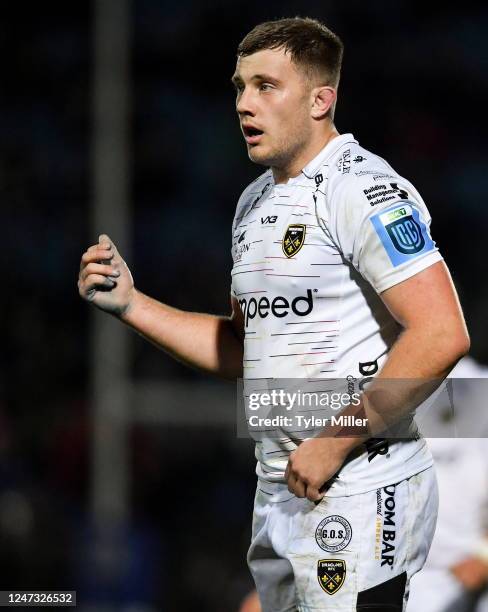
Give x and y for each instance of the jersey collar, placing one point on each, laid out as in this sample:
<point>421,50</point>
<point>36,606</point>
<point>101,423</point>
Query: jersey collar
<point>330,148</point>
<point>319,160</point>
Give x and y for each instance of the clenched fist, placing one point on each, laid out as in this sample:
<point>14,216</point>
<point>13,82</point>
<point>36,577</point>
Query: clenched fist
<point>105,279</point>
<point>313,464</point>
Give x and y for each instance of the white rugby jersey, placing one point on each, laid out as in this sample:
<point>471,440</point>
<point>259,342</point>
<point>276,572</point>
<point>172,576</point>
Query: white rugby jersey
<point>310,258</point>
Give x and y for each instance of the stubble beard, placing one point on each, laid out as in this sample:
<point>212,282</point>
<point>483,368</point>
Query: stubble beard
<point>282,154</point>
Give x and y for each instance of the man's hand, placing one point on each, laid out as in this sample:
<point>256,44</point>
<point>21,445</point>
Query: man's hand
<point>312,464</point>
<point>105,279</point>
<point>472,573</point>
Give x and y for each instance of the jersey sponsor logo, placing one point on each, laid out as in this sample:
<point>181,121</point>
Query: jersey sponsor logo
<point>344,163</point>
<point>318,178</point>
<point>241,247</point>
<point>278,307</point>
<point>358,159</point>
<point>331,574</point>
<point>333,533</point>
<point>378,524</point>
<point>377,176</point>
<point>240,250</point>
<point>402,233</point>
<point>374,446</point>
<point>385,545</point>
<point>377,446</point>
<point>294,239</point>
<point>269,219</point>
<point>351,385</point>
<point>367,369</point>
<point>377,194</point>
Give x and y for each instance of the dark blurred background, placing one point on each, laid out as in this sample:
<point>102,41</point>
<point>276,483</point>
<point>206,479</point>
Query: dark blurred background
<point>413,90</point>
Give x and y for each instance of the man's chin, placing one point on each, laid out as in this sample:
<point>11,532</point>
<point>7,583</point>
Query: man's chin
<point>258,155</point>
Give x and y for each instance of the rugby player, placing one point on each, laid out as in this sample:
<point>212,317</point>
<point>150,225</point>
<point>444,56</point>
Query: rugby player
<point>335,276</point>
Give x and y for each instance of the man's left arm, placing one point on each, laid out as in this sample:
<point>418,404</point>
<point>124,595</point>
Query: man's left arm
<point>433,339</point>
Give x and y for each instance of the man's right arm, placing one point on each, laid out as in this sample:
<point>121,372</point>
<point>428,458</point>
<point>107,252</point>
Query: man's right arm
<point>210,343</point>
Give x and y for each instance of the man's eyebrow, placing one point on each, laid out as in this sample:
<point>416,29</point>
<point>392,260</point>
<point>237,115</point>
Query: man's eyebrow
<point>236,78</point>
<point>265,77</point>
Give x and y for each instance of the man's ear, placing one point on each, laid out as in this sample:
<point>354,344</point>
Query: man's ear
<point>323,99</point>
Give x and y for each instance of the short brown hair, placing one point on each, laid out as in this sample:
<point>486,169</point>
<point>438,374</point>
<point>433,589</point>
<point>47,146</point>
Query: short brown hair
<point>311,45</point>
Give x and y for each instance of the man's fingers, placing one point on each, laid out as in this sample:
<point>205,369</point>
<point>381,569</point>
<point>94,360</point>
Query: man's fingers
<point>98,269</point>
<point>290,478</point>
<point>95,256</point>
<point>313,494</point>
<point>300,488</point>
<point>296,486</point>
<point>299,484</point>
<point>106,242</point>
<point>99,247</point>
<point>93,282</point>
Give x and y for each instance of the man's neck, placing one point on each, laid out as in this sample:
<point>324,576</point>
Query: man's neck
<point>281,175</point>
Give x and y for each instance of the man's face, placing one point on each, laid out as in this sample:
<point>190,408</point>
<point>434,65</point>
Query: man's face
<point>273,104</point>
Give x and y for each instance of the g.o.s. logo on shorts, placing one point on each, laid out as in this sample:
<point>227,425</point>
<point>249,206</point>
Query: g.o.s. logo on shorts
<point>333,533</point>
<point>402,232</point>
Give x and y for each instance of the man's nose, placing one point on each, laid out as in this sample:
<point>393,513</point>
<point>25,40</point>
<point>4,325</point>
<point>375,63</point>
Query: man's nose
<point>245,104</point>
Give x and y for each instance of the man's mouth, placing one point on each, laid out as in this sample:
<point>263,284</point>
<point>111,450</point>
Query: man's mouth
<point>252,134</point>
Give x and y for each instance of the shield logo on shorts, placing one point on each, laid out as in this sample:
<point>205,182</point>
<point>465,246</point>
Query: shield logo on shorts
<point>331,574</point>
<point>294,239</point>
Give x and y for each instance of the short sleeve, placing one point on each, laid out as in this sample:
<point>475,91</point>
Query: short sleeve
<point>383,229</point>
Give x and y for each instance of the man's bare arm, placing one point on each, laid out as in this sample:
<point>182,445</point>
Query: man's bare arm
<point>207,342</point>
<point>203,341</point>
<point>433,340</point>
<point>435,335</point>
